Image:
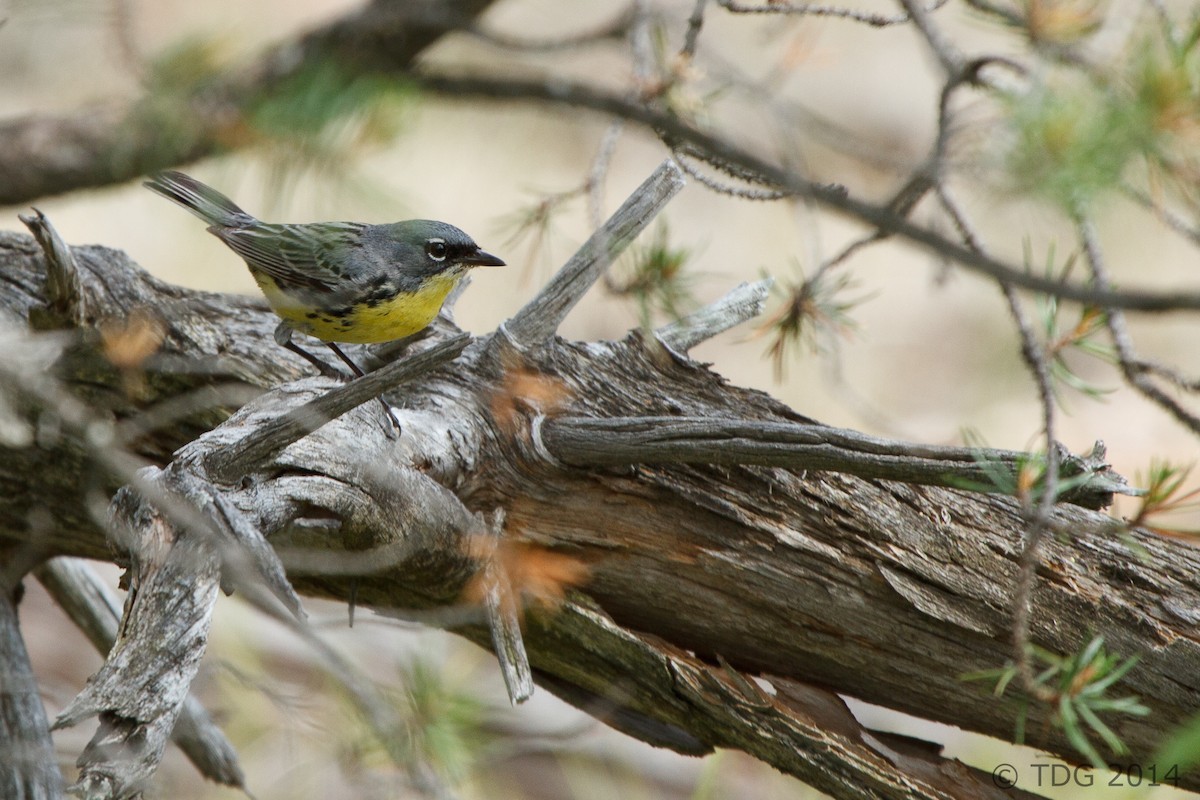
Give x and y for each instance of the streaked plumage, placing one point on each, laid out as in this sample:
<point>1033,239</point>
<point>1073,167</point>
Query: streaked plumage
<point>339,281</point>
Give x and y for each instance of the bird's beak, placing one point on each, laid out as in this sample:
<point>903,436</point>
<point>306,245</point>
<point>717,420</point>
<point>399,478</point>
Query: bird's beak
<point>482,258</point>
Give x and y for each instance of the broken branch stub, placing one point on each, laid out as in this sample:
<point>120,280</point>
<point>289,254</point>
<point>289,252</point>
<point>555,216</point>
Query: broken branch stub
<point>540,317</point>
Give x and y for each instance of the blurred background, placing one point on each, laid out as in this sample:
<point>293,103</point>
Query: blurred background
<point>925,350</point>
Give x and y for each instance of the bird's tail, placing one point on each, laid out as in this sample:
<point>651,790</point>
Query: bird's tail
<point>204,201</point>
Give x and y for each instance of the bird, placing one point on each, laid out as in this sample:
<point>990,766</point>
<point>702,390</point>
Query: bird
<point>347,282</point>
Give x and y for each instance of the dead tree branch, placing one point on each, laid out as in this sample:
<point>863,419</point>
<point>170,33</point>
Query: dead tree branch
<point>701,579</point>
<point>28,768</point>
<point>95,609</point>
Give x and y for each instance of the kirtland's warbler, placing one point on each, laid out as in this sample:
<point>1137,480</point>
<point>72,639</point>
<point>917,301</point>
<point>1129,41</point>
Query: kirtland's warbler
<point>338,281</point>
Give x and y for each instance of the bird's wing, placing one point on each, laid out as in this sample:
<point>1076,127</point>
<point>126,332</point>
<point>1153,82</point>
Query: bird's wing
<point>309,256</point>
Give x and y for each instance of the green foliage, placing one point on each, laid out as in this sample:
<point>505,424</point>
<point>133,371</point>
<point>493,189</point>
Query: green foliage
<point>1077,133</point>
<point>1083,334</point>
<point>1077,688</point>
<point>1023,478</point>
<point>447,722</point>
<point>658,280</point>
<point>1166,90</point>
<point>325,112</point>
<point>1074,139</point>
<point>813,312</point>
<point>1165,494</point>
<point>186,68</point>
<point>1182,748</point>
<point>316,118</point>
<point>445,728</point>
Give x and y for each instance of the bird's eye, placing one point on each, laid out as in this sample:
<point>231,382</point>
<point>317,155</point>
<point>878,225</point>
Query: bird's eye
<point>436,248</point>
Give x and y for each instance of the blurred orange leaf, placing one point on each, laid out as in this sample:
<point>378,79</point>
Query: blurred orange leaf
<point>523,390</point>
<point>128,342</point>
<point>533,573</point>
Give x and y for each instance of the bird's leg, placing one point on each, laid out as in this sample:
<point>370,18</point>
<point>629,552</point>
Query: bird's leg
<point>283,337</point>
<point>337,351</point>
<point>322,367</point>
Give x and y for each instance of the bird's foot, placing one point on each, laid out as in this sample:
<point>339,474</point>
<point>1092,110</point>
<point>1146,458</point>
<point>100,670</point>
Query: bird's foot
<point>394,431</point>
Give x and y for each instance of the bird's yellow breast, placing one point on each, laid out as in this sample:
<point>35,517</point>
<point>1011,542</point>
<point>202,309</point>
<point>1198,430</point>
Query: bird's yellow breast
<point>395,318</point>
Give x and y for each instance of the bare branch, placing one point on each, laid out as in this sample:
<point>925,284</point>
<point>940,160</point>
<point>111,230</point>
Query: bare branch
<point>679,696</point>
<point>503,609</point>
<point>742,192</point>
<point>682,440</point>
<point>270,439</point>
<point>95,609</point>
<point>744,302</point>
<point>541,316</point>
<point>141,687</point>
<point>1166,216</point>
<point>1037,513</point>
<point>815,10</point>
<point>566,93</point>
<point>946,53</point>
<point>692,37</point>
<point>62,273</point>
<point>28,766</point>
<point>1127,357</point>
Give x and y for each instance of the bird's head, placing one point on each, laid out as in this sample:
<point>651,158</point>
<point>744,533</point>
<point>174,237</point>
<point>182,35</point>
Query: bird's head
<point>425,247</point>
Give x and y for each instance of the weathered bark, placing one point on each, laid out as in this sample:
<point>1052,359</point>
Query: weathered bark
<point>93,606</point>
<point>699,576</point>
<point>28,770</point>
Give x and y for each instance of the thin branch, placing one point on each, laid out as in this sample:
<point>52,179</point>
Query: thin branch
<point>1166,216</point>
<point>691,38</point>
<point>576,95</point>
<point>815,10</point>
<point>943,49</point>
<point>598,171</point>
<point>1167,373</point>
<point>740,192</point>
<point>269,440</point>
<point>541,316</point>
<point>744,302</point>
<point>1127,357</point>
<point>1038,515</point>
<point>589,442</point>
<point>182,407</point>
